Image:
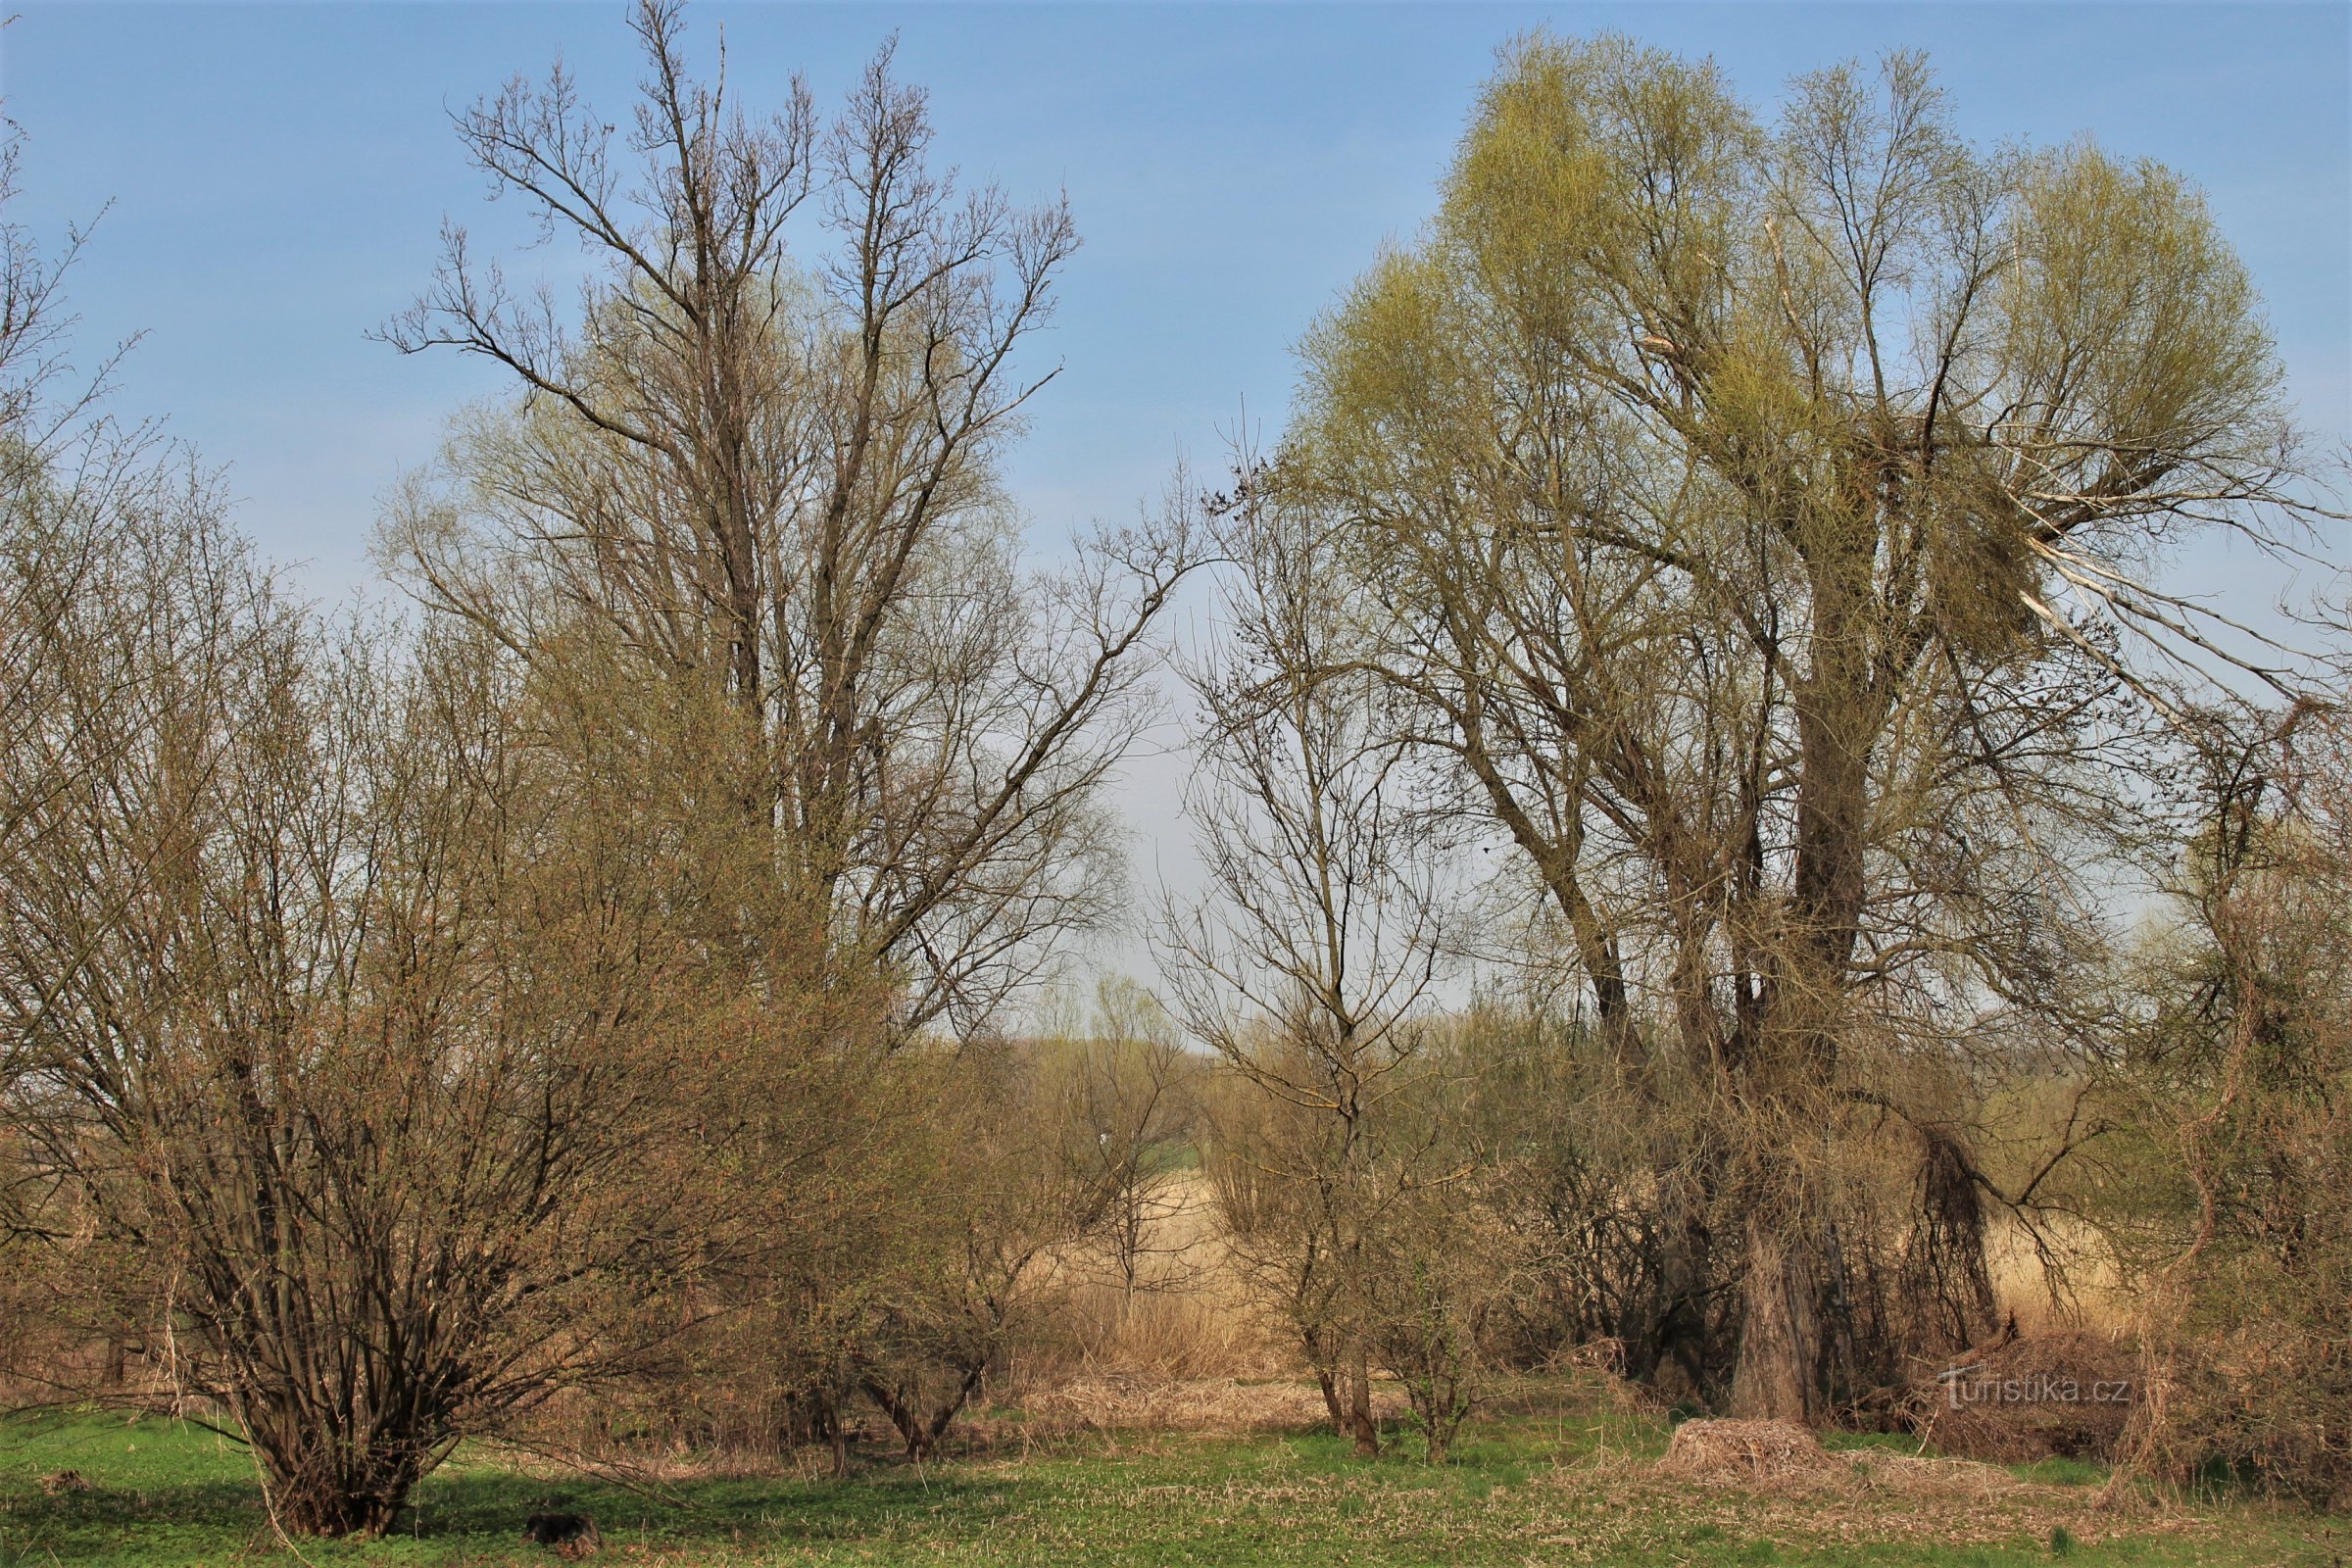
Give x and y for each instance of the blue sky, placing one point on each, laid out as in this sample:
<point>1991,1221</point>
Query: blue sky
<point>277,175</point>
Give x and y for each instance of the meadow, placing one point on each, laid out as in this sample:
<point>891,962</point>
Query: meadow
<point>1547,1480</point>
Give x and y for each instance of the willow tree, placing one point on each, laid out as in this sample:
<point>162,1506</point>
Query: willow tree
<point>1762,518</point>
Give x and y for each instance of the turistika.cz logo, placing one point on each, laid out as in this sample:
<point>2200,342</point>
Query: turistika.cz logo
<point>1970,1384</point>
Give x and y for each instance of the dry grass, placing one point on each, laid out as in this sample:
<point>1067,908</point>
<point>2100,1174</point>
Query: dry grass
<point>1162,1332</point>
<point>1782,1456</point>
<point>1186,1318</point>
<point>1188,1349</point>
<point>1861,1497</point>
<point>1750,1452</point>
<point>2066,1282</point>
<point>1224,1406</point>
<point>1773,1479</point>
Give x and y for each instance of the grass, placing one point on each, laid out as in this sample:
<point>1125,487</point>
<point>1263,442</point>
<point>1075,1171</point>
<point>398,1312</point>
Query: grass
<point>1533,1486</point>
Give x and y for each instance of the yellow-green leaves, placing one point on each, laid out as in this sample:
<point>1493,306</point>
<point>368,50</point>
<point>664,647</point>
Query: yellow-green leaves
<point>2131,339</point>
<point>1599,188</point>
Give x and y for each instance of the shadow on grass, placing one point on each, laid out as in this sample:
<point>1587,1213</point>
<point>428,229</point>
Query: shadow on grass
<point>163,1493</point>
<point>484,1508</point>
<point>95,1524</point>
<point>166,1484</point>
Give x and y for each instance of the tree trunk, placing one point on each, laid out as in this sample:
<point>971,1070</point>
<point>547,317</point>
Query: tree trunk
<point>832,1427</point>
<point>1946,1273</point>
<point>1359,1403</point>
<point>1328,1381</point>
<point>1675,1359</point>
<point>1780,1328</point>
<point>331,1468</point>
<point>319,1485</point>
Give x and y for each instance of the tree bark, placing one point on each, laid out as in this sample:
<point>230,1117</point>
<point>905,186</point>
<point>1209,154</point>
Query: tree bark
<point>1360,1425</point>
<point>1780,1328</point>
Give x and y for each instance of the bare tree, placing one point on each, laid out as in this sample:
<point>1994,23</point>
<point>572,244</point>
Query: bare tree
<point>777,478</point>
<point>1312,965</point>
<point>74,487</point>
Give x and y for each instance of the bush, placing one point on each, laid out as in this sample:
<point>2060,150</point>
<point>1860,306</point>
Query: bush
<point>2237,1102</point>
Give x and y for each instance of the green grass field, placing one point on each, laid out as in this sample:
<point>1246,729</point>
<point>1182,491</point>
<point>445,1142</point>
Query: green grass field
<point>1532,1489</point>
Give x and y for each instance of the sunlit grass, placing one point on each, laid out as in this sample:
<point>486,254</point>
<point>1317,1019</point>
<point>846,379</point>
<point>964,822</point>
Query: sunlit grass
<point>1557,1487</point>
